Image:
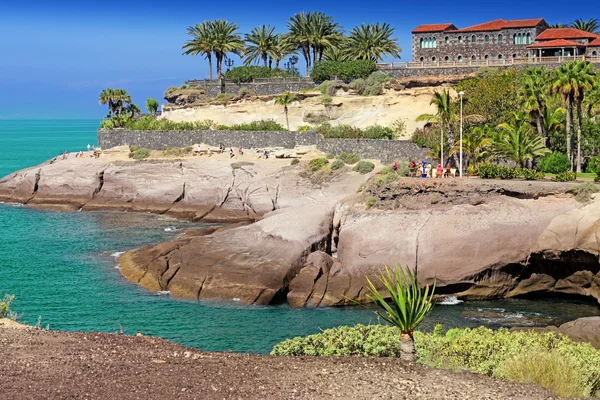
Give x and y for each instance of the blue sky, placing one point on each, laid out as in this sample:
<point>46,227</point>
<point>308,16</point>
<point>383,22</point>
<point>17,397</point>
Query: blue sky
<point>56,56</point>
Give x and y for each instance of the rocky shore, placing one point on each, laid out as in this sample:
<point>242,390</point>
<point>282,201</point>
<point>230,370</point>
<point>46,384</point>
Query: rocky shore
<point>39,364</point>
<point>309,239</point>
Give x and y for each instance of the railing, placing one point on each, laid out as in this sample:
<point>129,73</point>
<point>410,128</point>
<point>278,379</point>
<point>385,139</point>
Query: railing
<point>486,63</point>
<point>206,82</point>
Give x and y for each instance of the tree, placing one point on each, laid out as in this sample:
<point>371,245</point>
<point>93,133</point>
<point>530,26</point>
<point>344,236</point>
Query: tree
<point>339,53</point>
<point>132,109</point>
<point>410,304</point>
<point>445,113</point>
<point>281,49</point>
<point>225,40</point>
<point>300,36</point>
<point>372,42</point>
<point>152,105</point>
<point>201,43</point>
<point>106,97</point>
<point>285,99</point>
<point>558,25</point>
<point>591,25</point>
<point>262,42</point>
<point>120,99</point>
<point>562,84</point>
<point>476,144</point>
<point>324,33</point>
<point>532,97</point>
<point>584,81</point>
<point>517,142</point>
<point>591,101</point>
<point>554,124</point>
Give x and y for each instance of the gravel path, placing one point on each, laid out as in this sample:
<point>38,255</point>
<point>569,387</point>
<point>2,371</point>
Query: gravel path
<point>38,364</point>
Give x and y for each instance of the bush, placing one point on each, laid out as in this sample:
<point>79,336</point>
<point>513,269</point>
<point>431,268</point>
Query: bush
<point>149,123</point>
<point>489,171</point>
<point>245,92</point>
<point>223,98</point>
<point>141,153</point>
<point>262,125</point>
<point>531,174</point>
<point>377,132</point>
<point>322,87</point>
<point>304,128</point>
<point>5,311</point>
<point>427,138</point>
<point>371,202</point>
<point>133,148</point>
<point>398,128</point>
<point>248,73</point>
<point>326,100</point>
<point>317,163</point>
<point>364,167</point>
<point>238,165</point>
<point>337,164</point>
<point>554,163</point>
<point>358,85</point>
<point>583,192</point>
<point>349,158</point>
<point>329,156</point>
<point>509,173</point>
<point>295,161</point>
<point>176,152</point>
<point>344,70</point>
<point>565,177</point>
<point>351,132</point>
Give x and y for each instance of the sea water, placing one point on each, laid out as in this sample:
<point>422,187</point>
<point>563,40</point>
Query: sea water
<point>62,268</point>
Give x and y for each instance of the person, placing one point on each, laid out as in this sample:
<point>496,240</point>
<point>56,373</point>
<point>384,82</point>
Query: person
<point>89,147</point>
<point>448,172</point>
<point>266,154</point>
<point>221,148</point>
<point>427,170</point>
<point>395,167</point>
<point>80,153</point>
<point>412,168</point>
<point>93,148</point>
<point>240,151</point>
<point>65,155</point>
<point>439,171</point>
<point>231,155</point>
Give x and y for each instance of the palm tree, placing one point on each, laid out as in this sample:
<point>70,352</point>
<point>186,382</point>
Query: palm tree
<point>281,49</point>
<point>300,36</point>
<point>563,84</point>
<point>591,25</point>
<point>261,44</point>
<point>591,102</point>
<point>324,33</point>
<point>285,99</point>
<point>120,98</point>
<point>200,43</point>
<point>531,94</point>
<point>225,40</point>
<point>558,25</point>
<point>133,109</point>
<point>410,304</point>
<point>372,42</point>
<point>517,142</point>
<point>585,79</point>
<point>476,144</point>
<point>339,53</point>
<point>445,113</point>
<point>152,105</point>
<point>106,97</point>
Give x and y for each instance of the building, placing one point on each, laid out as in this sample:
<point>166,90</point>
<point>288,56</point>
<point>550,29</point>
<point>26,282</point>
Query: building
<point>499,40</point>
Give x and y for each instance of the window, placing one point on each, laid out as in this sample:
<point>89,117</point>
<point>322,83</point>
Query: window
<point>473,39</point>
<point>529,38</point>
<point>516,39</point>
<point>500,38</point>
<point>447,59</point>
<point>486,57</point>
<point>428,43</point>
<point>473,58</point>
<point>514,56</point>
<point>460,39</point>
<point>486,38</point>
<point>446,40</point>
<point>459,58</point>
<point>594,53</point>
<point>421,59</point>
<point>499,56</point>
<point>433,59</point>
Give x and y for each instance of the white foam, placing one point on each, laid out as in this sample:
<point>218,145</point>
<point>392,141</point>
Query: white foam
<point>170,229</point>
<point>117,266</point>
<point>117,254</point>
<point>450,301</point>
<point>235,299</point>
<point>163,292</point>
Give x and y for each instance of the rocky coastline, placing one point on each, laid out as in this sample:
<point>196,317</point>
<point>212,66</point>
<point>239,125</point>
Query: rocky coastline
<point>311,242</point>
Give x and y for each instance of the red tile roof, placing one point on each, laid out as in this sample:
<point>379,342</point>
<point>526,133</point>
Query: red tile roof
<point>595,42</point>
<point>425,28</point>
<point>565,33</point>
<point>523,23</point>
<point>502,24</point>
<point>555,43</point>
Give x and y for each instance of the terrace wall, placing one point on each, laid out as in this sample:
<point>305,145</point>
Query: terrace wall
<point>271,87</point>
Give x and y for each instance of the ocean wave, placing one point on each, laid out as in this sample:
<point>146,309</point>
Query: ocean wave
<point>118,266</point>
<point>450,301</point>
<point>163,292</point>
<point>117,254</point>
<point>170,229</point>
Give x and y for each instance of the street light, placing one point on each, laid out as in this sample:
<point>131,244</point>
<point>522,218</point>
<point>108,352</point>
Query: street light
<point>460,165</point>
<point>229,63</point>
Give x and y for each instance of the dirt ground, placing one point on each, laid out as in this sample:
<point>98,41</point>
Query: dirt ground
<point>39,364</point>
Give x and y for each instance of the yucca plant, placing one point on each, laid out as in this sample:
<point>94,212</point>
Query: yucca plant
<point>409,304</point>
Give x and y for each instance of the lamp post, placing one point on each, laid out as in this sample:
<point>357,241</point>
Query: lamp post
<point>460,164</point>
<point>229,63</point>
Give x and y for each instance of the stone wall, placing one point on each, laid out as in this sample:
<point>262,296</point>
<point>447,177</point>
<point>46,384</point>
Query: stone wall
<point>384,150</point>
<point>260,88</point>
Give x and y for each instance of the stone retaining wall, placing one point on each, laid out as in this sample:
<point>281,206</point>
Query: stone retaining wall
<point>260,88</point>
<point>384,150</point>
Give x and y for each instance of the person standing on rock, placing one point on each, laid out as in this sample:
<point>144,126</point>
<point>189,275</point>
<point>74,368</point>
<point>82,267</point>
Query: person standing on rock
<point>395,167</point>
<point>89,147</point>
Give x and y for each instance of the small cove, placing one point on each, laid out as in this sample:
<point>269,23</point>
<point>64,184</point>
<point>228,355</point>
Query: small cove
<point>61,267</point>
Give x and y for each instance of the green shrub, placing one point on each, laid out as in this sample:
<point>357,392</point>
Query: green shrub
<point>371,202</point>
<point>337,164</point>
<point>552,370</point>
<point>133,148</point>
<point>531,174</point>
<point>248,73</point>
<point>554,163</point>
<point>349,158</point>
<point>364,167</point>
<point>326,100</point>
<point>188,149</point>
<point>489,171</point>
<point>317,163</point>
<point>377,132</point>
<point>565,177</point>
<point>245,92</point>
<point>509,173</point>
<point>238,165</point>
<point>304,128</point>
<point>344,70</point>
<point>262,125</point>
<point>150,123</point>
<point>295,161</point>
<point>141,153</point>
<point>358,85</point>
<point>352,132</point>
<point>398,128</point>
<point>329,156</point>
<point>583,192</point>
<point>383,179</point>
<point>175,152</point>
<point>5,311</point>
<point>322,87</point>
<point>223,98</point>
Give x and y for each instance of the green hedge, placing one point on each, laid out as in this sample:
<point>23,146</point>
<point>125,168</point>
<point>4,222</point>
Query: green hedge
<point>344,70</point>
<point>317,163</point>
<point>247,73</point>
<point>364,167</point>
<point>492,171</point>
<point>352,132</point>
<point>554,163</point>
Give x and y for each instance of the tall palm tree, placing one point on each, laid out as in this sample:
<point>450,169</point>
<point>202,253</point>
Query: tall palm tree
<point>106,97</point>
<point>225,40</point>
<point>324,33</point>
<point>585,79</point>
<point>372,42</point>
<point>445,113</point>
<point>518,143</point>
<point>532,97</point>
<point>285,99</point>
<point>591,25</point>
<point>299,34</point>
<point>558,25</point>
<point>132,109</point>
<point>201,43</point>
<point>339,53</point>
<point>281,49</point>
<point>120,98</point>
<point>563,83</point>
<point>476,144</point>
<point>261,44</point>
<point>591,102</point>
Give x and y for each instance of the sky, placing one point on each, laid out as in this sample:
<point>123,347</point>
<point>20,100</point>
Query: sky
<point>56,56</point>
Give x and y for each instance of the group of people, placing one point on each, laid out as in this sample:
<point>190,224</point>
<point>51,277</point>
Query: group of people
<point>426,170</point>
<point>222,148</point>
<point>65,154</point>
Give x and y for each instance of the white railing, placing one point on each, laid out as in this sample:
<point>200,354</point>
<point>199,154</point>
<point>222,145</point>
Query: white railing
<point>486,63</point>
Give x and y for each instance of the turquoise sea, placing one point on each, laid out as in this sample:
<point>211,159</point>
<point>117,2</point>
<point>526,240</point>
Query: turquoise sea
<point>61,268</point>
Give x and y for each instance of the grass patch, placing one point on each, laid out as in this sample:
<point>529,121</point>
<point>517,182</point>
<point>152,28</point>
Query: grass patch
<point>139,153</point>
<point>371,202</point>
<point>295,161</point>
<point>349,158</point>
<point>317,163</point>
<point>337,164</point>
<point>177,152</point>
<point>583,192</point>
<point>240,164</point>
<point>364,167</point>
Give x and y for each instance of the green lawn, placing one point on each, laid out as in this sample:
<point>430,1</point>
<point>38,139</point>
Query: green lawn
<point>579,175</point>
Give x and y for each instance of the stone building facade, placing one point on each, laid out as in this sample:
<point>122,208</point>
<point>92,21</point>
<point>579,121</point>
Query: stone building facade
<point>495,40</point>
